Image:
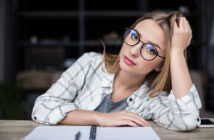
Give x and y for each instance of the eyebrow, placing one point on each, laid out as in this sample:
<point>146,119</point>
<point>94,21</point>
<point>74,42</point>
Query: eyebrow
<point>148,41</point>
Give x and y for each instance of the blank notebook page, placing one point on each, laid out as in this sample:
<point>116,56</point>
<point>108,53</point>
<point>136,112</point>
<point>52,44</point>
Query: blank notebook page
<point>103,133</point>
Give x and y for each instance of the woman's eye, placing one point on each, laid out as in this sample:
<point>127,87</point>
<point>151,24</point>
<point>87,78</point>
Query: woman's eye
<point>134,35</point>
<point>151,48</point>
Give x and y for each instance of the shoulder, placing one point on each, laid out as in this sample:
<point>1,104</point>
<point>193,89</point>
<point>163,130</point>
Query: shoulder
<point>92,54</point>
<point>91,58</point>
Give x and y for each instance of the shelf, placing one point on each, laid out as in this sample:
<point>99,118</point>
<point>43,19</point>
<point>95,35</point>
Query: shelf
<point>38,79</point>
<point>124,14</point>
<point>92,14</point>
<point>74,27</point>
<point>70,14</point>
<point>27,44</point>
<point>53,14</point>
<point>87,43</point>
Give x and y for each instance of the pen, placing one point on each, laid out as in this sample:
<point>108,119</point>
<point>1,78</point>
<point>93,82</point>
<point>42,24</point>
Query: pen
<point>93,132</point>
<point>77,135</point>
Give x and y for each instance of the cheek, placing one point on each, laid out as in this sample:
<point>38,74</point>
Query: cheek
<point>124,48</point>
<point>148,66</point>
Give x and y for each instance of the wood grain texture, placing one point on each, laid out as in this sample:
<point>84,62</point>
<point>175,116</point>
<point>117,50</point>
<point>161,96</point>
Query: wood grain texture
<point>17,129</point>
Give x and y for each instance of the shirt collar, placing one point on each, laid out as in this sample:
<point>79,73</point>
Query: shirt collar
<point>142,90</point>
<point>108,79</point>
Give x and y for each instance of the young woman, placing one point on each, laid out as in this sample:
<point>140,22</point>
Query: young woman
<point>147,80</point>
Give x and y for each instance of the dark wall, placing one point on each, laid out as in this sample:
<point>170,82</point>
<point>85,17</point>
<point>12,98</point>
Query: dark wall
<point>2,42</point>
<point>7,47</point>
<point>207,35</point>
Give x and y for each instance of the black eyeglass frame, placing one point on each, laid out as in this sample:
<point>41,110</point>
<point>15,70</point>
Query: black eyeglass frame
<point>143,44</point>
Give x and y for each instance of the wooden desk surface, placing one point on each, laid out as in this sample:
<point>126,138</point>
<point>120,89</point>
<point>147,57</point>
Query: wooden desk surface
<point>17,129</point>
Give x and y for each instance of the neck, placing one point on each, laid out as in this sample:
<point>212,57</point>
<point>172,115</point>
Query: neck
<point>128,81</point>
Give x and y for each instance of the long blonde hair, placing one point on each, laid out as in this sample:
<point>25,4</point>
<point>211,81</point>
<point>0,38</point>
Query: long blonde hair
<point>156,81</point>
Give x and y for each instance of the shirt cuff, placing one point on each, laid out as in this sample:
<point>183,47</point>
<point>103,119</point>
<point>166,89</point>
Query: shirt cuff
<point>55,115</point>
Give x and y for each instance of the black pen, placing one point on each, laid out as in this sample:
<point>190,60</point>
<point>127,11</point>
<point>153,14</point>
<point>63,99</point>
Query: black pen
<point>93,132</point>
<point>77,135</point>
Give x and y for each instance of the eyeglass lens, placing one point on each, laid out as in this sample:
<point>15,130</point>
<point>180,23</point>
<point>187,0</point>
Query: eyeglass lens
<point>148,51</point>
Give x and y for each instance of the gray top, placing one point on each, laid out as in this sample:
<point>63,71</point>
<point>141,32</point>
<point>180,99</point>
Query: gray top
<point>108,106</point>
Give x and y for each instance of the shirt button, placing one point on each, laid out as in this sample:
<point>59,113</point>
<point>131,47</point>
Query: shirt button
<point>198,119</point>
<point>130,99</point>
<point>35,118</point>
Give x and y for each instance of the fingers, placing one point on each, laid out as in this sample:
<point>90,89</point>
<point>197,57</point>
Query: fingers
<point>127,122</point>
<point>135,118</point>
<point>139,119</point>
<point>181,35</point>
<point>183,24</point>
<point>176,25</point>
<point>121,118</point>
<point>187,26</point>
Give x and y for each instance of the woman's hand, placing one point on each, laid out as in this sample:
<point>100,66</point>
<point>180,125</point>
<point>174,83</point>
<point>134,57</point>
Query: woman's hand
<point>181,35</point>
<point>180,77</point>
<point>121,118</point>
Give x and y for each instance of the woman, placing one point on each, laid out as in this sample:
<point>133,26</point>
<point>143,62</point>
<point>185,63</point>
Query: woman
<point>147,80</point>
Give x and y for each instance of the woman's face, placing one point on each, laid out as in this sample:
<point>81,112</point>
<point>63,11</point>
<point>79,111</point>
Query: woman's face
<point>130,56</point>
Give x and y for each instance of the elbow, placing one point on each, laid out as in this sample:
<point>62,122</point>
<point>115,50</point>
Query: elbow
<point>44,118</point>
<point>195,122</point>
<point>180,123</point>
<point>41,115</point>
<point>188,123</point>
<point>190,126</point>
<point>41,120</point>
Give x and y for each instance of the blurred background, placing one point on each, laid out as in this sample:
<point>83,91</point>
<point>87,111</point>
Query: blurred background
<point>39,39</point>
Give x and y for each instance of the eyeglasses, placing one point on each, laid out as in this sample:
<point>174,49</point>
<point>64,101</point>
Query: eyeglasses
<point>148,51</point>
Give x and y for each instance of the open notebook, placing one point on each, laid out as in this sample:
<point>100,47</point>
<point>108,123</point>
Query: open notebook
<point>102,133</point>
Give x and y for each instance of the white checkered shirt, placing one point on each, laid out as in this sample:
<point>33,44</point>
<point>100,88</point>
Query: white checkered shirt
<point>85,84</point>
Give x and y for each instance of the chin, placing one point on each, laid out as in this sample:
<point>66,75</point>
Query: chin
<point>126,68</point>
<point>137,71</point>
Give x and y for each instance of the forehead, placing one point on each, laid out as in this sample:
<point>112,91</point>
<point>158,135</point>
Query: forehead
<point>150,31</point>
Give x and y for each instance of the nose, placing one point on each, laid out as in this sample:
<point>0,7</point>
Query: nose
<point>135,50</point>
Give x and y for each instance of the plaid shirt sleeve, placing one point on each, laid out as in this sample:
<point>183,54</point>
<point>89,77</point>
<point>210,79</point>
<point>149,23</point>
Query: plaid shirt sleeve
<point>52,107</point>
<point>177,114</point>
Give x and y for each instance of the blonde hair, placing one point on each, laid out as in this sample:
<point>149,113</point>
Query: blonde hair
<point>156,81</point>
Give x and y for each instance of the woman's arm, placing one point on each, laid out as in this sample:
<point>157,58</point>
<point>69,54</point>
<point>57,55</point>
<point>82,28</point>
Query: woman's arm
<point>85,117</point>
<point>181,81</point>
<point>52,107</point>
<point>180,110</point>
<point>179,114</point>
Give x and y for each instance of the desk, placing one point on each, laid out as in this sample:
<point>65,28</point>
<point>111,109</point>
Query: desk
<point>17,129</point>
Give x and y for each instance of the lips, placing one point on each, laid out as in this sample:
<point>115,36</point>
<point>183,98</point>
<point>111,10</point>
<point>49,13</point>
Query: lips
<point>128,61</point>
